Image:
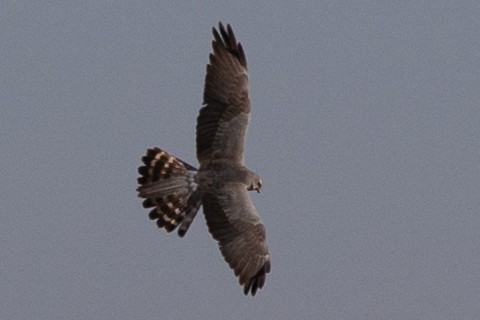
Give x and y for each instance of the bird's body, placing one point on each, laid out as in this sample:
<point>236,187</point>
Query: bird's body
<point>216,174</point>
<point>176,190</point>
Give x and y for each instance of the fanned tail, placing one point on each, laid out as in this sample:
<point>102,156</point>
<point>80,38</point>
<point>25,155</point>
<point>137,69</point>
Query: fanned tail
<point>168,186</point>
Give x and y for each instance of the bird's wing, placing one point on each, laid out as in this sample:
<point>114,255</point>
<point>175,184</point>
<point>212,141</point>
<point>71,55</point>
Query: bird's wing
<point>234,222</point>
<point>222,122</point>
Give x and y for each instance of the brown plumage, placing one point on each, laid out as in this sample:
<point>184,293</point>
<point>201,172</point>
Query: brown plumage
<point>176,190</point>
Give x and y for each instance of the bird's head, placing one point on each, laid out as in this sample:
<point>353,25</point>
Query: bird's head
<point>256,184</point>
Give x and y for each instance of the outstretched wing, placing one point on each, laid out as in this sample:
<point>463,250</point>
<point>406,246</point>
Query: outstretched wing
<point>222,122</point>
<point>234,222</point>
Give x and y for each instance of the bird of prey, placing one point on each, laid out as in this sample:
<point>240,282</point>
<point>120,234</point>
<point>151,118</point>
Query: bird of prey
<point>176,190</point>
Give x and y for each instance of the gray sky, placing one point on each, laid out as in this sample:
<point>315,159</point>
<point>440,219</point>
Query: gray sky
<point>365,129</point>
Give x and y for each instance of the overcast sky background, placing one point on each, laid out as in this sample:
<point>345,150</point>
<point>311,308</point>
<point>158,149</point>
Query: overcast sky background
<point>365,128</point>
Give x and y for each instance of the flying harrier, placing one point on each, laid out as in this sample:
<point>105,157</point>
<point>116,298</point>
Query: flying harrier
<point>176,190</point>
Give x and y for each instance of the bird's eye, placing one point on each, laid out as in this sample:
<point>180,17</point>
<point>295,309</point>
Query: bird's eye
<point>259,186</point>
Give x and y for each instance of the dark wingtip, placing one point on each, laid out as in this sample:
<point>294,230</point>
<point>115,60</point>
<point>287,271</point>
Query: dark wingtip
<point>226,38</point>
<point>220,25</point>
<point>258,280</point>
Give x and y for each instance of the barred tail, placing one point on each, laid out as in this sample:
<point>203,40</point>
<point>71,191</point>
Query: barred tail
<point>168,186</point>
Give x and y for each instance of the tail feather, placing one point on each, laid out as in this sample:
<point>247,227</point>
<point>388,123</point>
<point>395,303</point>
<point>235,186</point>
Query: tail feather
<point>168,186</point>
<point>191,210</point>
